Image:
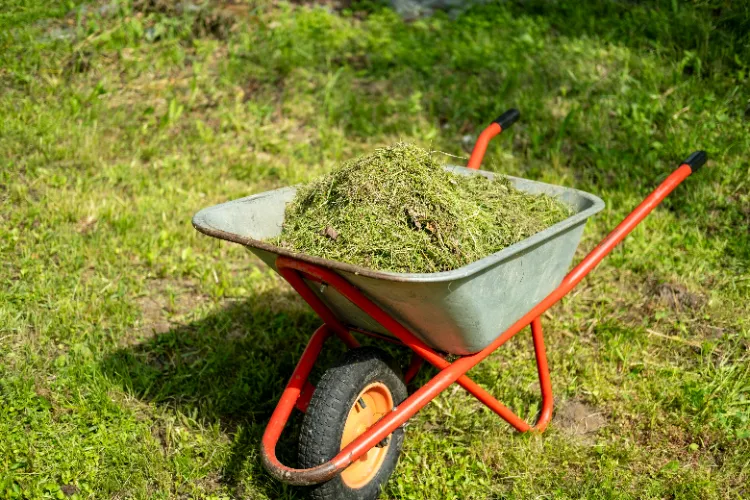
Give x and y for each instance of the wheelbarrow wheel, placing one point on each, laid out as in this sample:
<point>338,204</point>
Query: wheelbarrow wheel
<point>351,397</point>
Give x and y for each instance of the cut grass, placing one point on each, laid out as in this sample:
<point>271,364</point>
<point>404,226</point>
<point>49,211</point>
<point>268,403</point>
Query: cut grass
<point>139,359</point>
<point>397,209</point>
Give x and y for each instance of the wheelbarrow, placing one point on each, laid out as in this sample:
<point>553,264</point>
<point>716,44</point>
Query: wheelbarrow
<point>353,428</point>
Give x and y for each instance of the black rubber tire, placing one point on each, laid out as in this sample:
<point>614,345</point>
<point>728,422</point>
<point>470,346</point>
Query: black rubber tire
<point>323,425</point>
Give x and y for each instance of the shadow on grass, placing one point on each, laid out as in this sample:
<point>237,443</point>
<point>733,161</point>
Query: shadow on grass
<point>228,367</point>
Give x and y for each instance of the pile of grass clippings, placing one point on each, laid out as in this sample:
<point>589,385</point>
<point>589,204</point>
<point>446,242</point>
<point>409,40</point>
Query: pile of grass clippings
<point>397,209</point>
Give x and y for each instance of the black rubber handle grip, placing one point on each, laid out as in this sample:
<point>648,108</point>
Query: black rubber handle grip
<point>508,118</point>
<point>697,160</point>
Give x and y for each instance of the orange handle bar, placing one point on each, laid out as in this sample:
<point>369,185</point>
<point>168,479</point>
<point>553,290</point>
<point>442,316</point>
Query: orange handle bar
<point>499,124</point>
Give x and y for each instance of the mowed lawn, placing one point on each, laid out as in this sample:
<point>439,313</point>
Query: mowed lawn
<point>140,359</point>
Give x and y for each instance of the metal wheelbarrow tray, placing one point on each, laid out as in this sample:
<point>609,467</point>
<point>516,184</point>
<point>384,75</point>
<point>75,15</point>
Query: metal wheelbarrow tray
<point>459,311</point>
<point>358,410</point>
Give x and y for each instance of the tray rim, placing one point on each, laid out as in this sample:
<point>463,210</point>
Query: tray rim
<point>201,224</point>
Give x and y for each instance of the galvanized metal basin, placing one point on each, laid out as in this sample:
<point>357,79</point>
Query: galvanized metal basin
<point>459,311</point>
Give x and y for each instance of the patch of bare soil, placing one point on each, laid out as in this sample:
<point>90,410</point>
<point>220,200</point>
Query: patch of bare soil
<point>333,5</point>
<point>167,302</point>
<point>579,421</point>
<point>69,489</point>
<point>674,296</point>
<point>212,18</point>
<point>211,482</point>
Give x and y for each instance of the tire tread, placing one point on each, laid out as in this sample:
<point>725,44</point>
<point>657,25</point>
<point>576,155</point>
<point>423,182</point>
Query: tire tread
<point>320,436</point>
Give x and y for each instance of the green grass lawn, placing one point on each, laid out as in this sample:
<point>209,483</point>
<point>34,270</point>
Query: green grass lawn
<point>140,359</point>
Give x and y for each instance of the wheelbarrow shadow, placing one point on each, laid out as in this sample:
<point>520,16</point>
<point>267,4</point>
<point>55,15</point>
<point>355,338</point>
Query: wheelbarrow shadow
<point>228,367</point>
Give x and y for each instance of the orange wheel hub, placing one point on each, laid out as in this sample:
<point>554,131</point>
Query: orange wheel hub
<point>374,402</point>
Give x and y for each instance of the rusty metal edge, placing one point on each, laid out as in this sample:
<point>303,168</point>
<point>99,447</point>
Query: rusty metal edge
<point>298,477</point>
<point>331,264</point>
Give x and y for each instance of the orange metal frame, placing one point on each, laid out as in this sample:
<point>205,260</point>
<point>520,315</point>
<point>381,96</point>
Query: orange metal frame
<point>299,390</point>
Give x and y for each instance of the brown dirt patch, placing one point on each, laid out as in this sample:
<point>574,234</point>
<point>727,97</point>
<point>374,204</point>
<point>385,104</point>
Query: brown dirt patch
<point>159,433</point>
<point>674,296</point>
<point>69,489</point>
<point>212,18</point>
<point>210,483</point>
<point>579,421</point>
<point>86,224</point>
<point>166,304</point>
<point>153,318</point>
<point>42,390</point>
<point>334,5</point>
<point>666,441</point>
